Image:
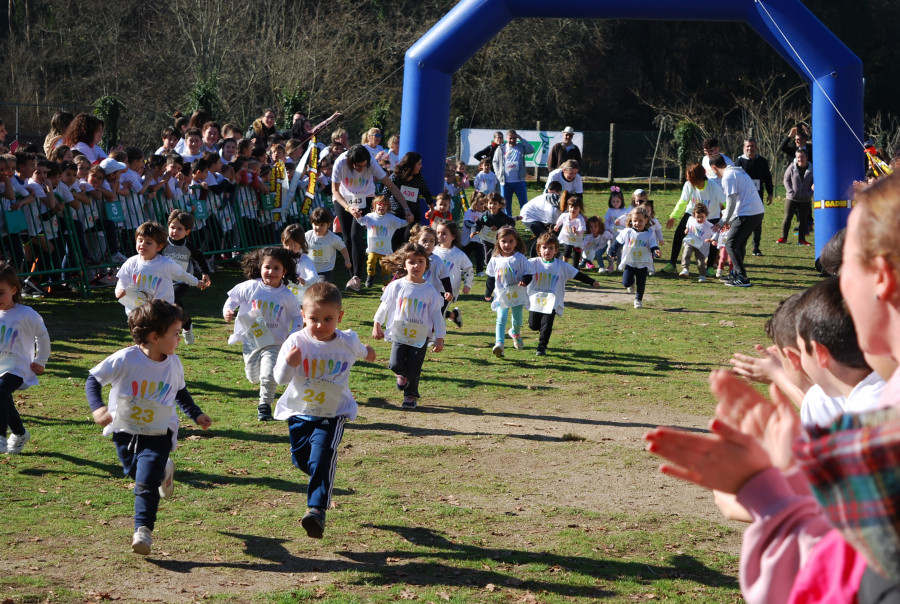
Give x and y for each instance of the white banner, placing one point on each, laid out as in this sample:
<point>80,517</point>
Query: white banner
<point>474,140</point>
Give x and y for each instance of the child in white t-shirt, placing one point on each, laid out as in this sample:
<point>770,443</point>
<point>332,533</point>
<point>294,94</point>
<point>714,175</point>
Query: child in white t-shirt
<point>147,382</point>
<point>616,210</point>
<point>315,364</point>
<point>486,181</point>
<point>324,244</point>
<point>595,243</point>
<point>469,239</point>
<point>571,228</point>
<point>698,235</point>
<point>267,312</point>
<point>380,227</point>
<point>458,265</point>
<point>639,247</point>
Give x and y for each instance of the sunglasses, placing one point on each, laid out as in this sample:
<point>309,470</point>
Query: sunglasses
<point>378,135</point>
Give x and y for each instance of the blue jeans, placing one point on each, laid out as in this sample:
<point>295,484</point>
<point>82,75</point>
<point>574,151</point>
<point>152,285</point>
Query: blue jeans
<point>502,314</point>
<point>635,276</point>
<point>314,447</point>
<point>520,189</point>
<point>144,460</point>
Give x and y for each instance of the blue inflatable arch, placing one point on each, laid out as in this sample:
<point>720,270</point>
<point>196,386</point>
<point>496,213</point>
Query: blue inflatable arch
<point>431,62</point>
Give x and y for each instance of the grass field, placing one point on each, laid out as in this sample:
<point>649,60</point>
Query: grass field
<point>518,480</point>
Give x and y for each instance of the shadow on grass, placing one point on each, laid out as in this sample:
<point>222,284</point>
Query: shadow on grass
<point>445,563</point>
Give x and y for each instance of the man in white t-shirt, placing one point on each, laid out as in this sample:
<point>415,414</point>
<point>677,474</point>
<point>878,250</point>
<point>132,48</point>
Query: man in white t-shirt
<point>744,211</point>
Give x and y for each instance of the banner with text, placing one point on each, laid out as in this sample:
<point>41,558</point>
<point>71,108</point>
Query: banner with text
<point>473,140</point>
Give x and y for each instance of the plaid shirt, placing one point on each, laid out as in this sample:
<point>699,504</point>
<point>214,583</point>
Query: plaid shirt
<point>853,468</point>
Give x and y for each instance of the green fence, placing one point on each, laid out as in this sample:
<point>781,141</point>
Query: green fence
<point>81,249</point>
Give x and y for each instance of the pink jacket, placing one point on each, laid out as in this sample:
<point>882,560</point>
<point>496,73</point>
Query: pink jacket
<point>787,524</point>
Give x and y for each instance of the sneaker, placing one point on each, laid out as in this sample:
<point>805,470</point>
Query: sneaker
<point>401,383</point>
<point>601,270</point>
<point>479,274</point>
<point>353,284</point>
<point>781,240</point>
<point>188,336</point>
<point>119,258</point>
<point>638,304</point>
<point>702,279</point>
<point>630,289</point>
<point>668,268</point>
<point>517,340</point>
<point>264,412</point>
<point>739,281</point>
<point>34,291</point>
<point>498,350</point>
<point>589,265</point>
<point>757,252</point>
<point>168,483</point>
<point>684,273</point>
<point>2,444</point>
<point>803,243</point>
<point>17,442</point>
<point>409,402</point>
<point>369,281</point>
<point>540,352</point>
<point>718,273</point>
<point>457,316</point>
<point>314,522</point>
<point>727,278</point>
<point>142,540</point>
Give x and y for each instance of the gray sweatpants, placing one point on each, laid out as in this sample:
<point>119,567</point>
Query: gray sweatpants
<point>689,251</point>
<point>259,367</point>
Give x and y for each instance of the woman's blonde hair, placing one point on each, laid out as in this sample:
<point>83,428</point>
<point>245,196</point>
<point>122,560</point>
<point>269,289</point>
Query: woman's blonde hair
<point>879,221</point>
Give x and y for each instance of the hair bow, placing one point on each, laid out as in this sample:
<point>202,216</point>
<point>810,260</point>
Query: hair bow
<point>615,189</point>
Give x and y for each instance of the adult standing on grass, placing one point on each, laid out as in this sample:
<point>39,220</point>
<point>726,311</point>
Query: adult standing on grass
<point>564,151</point>
<point>509,165</point>
<point>488,152</point>
<point>407,176</point>
<point>797,138</point>
<point>697,189</point>
<point>798,186</point>
<point>353,189</point>
<point>757,168</point>
<point>744,211</point>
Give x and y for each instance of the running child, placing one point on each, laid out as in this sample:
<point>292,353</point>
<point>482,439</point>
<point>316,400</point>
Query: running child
<point>491,222</point>
<point>149,275</point>
<point>294,239</point>
<point>458,264</point>
<point>185,254</point>
<point>324,244</point>
<point>147,382</point>
<point>616,210</point>
<point>436,273</point>
<point>698,235</point>
<point>315,363</point>
<point>548,288</point>
<point>571,228</point>
<point>595,242</point>
<point>380,227</point>
<point>470,241</point>
<point>267,312</point>
<point>639,247</point>
<point>410,313</point>
<point>442,209</point>
<point>508,273</point>
<point>24,350</point>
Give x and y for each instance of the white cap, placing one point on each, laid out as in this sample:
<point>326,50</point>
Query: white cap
<point>109,166</point>
<point>569,130</point>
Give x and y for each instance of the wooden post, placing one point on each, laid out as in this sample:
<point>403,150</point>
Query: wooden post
<point>612,152</point>
<point>536,168</point>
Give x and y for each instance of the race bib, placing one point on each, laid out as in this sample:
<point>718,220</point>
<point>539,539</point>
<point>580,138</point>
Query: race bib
<point>488,236</point>
<point>693,241</point>
<point>356,201</point>
<point>410,194</point>
<point>142,416</point>
<point>513,295</point>
<point>511,166</point>
<point>757,184</point>
<point>542,302</point>
<point>298,291</point>
<point>638,254</point>
<point>410,333</point>
<point>317,398</point>
<point>7,362</point>
<point>254,331</point>
<point>134,298</point>
<point>569,237</point>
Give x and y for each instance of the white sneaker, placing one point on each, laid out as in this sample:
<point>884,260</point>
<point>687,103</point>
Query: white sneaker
<point>188,336</point>
<point>630,289</point>
<point>16,442</point>
<point>118,257</point>
<point>167,487</point>
<point>481,274</point>
<point>2,444</point>
<point>142,540</point>
<point>354,284</point>
<point>718,273</point>
<point>684,273</point>
<point>638,304</point>
<point>517,340</point>
<point>702,279</point>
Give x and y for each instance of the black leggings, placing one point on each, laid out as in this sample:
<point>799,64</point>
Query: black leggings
<point>9,415</point>
<point>354,235</point>
<point>678,239</point>
<point>543,324</point>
